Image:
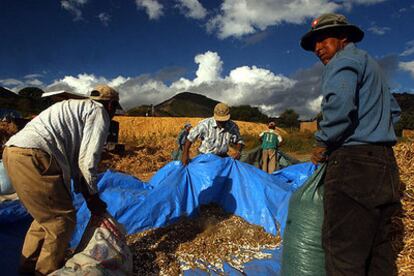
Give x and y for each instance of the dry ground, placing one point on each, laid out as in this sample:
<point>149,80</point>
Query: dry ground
<point>150,141</point>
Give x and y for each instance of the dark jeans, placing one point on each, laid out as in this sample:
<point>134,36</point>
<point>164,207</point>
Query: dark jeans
<point>360,197</point>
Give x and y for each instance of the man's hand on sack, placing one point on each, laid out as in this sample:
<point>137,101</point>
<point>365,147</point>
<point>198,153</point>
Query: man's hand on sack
<point>319,155</point>
<point>94,203</point>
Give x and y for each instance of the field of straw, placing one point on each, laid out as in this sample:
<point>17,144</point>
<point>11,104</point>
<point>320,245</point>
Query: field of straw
<point>150,142</point>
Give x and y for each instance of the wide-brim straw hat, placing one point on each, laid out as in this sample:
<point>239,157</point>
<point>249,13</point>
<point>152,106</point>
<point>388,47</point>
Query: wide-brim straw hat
<point>328,22</point>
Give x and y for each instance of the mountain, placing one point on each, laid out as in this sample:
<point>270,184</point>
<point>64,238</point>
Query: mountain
<point>189,104</point>
<point>5,93</point>
<point>9,99</point>
<point>186,104</point>
<point>406,102</point>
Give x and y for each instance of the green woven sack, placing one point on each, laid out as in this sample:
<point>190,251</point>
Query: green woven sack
<point>302,243</point>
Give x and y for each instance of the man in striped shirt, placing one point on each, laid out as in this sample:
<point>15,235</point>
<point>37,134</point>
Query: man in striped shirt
<point>62,143</point>
<point>216,133</point>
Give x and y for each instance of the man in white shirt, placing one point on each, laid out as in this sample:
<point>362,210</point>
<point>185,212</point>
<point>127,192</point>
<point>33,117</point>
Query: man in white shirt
<point>216,133</point>
<point>63,142</point>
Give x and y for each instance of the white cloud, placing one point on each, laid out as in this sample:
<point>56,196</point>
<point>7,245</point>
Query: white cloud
<point>153,8</point>
<point>243,85</point>
<point>104,18</point>
<point>11,82</point>
<point>409,49</point>
<point>74,7</point>
<point>210,67</point>
<point>33,76</point>
<point>242,17</point>
<point>15,84</point>
<point>367,2</point>
<point>82,84</point>
<point>378,30</point>
<point>238,18</point>
<point>250,85</point>
<point>192,9</point>
<point>407,66</point>
<point>34,82</point>
<point>315,105</point>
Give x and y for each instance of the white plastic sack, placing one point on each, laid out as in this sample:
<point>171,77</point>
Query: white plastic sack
<point>6,187</point>
<point>101,251</point>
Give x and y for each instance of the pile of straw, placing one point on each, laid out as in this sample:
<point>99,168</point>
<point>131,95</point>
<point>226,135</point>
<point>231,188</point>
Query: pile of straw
<point>404,153</point>
<point>205,242</point>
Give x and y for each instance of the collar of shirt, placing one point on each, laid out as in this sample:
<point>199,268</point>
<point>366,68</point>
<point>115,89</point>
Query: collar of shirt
<point>225,127</point>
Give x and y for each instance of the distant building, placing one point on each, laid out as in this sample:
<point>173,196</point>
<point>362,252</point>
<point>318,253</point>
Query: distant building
<point>309,126</point>
<point>57,96</point>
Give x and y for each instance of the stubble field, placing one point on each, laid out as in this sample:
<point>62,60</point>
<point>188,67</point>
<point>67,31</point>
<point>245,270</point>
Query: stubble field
<point>149,142</point>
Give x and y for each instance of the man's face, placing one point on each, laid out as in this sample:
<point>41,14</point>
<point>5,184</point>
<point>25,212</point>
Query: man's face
<point>221,124</point>
<point>326,46</point>
<point>111,108</point>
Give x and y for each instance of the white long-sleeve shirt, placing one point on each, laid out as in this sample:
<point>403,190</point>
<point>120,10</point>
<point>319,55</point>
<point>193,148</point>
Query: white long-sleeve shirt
<point>72,131</point>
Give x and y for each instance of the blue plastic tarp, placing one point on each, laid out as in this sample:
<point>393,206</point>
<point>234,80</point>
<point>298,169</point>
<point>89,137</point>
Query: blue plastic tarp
<point>175,190</point>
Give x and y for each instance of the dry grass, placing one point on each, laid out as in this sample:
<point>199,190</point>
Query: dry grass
<point>205,242</point>
<point>405,222</point>
<point>151,140</point>
<point>164,130</point>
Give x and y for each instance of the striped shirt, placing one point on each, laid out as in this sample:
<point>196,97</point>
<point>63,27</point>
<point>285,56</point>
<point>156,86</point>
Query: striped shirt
<point>214,139</point>
<point>72,131</point>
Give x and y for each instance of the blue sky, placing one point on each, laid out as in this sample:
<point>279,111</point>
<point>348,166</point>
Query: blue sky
<point>237,51</point>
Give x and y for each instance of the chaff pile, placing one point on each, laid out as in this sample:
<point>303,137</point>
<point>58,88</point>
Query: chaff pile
<point>404,223</point>
<point>205,242</point>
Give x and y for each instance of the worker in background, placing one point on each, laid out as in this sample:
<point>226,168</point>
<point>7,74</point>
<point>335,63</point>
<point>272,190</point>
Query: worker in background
<point>361,186</point>
<point>182,137</point>
<point>216,134</point>
<point>63,142</point>
<point>270,144</point>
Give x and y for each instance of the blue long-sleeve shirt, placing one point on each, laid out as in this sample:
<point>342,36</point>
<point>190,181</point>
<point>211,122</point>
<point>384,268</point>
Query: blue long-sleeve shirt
<point>357,106</point>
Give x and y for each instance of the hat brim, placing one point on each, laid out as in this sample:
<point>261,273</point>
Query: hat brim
<point>221,118</point>
<point>354,34</point>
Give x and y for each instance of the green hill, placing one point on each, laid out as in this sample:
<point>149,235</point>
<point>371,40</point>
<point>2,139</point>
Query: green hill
<point>406,102</point>
<point>189,104</point>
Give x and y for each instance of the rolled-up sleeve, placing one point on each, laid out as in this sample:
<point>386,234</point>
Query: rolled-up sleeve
<point>236,137</point>
<point>94,137</point>
<point>338,104</point>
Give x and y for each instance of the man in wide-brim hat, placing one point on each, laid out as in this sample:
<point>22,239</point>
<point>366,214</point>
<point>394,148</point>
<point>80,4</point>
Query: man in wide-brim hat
<point>356,136</point>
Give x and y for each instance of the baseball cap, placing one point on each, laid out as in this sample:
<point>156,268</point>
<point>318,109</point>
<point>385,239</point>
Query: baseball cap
<point>221,112</point>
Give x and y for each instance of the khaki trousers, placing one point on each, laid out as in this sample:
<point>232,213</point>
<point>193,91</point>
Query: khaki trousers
<point>269,161</point>
<point>37,179</point>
